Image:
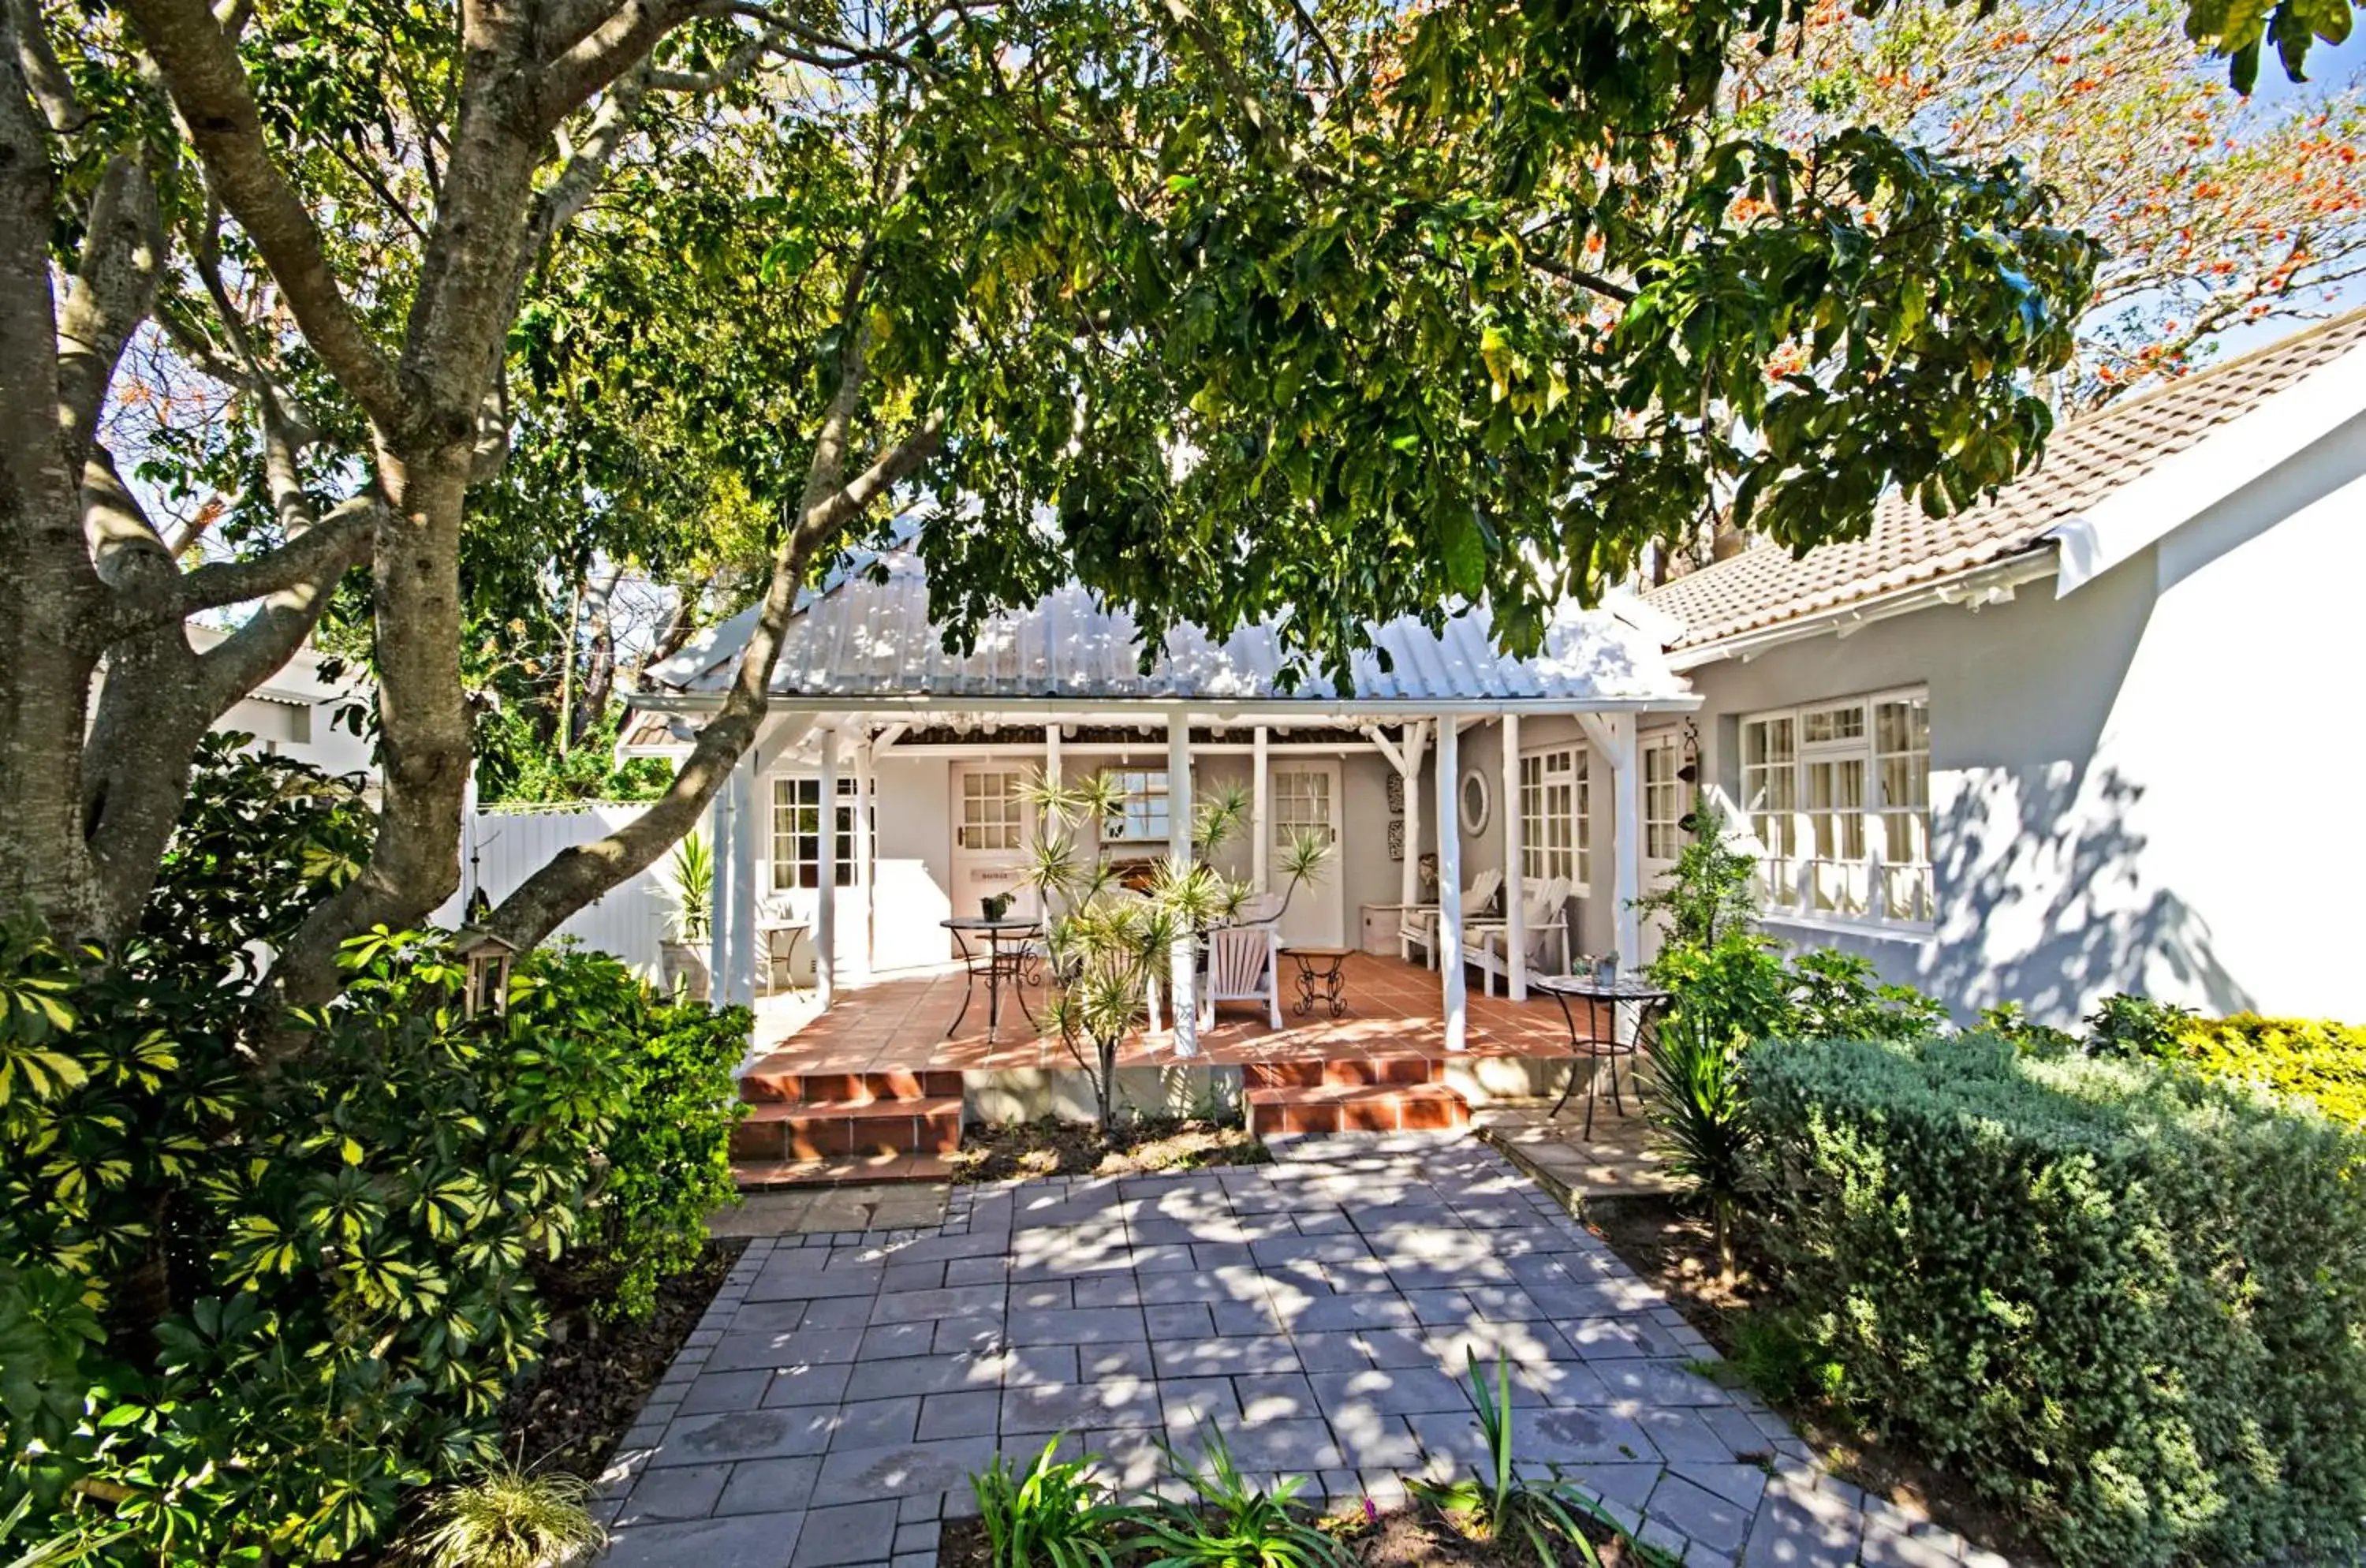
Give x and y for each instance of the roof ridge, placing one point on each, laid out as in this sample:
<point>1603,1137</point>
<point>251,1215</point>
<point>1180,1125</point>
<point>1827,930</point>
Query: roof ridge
<point>2283,344</point>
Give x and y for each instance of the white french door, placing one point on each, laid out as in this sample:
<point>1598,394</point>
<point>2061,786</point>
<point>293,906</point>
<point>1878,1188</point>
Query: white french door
<point>1302,798</point>
<point>990,849</point>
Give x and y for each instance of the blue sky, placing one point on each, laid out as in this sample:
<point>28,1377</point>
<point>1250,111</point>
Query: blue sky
<point>2327,67</point>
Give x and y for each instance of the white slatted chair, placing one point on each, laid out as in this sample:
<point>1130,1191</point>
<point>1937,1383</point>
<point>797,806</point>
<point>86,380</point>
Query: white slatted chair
<point>1419,924</point>
<point>1242,967</point>
<point>1544,915</point>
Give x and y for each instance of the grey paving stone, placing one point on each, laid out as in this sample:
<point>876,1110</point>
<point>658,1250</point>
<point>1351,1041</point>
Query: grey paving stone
<point>1701,1513</point>
<point>888,1341</point>
<point>741,1351</point>
<point>807,1384</point>
<point>1788,1534</point>
<point>1659,1382</point>
<point>769,1487</point>
<point>1548,1435</point>
<point>1181,1320</point>
<point>911,1306</point>
<point>970,1413</point>
<point>915,1538</point>
<point>1097,1363</point>
<point>724,1390</point>
<point>1075,1325</point>
<point>678,1492</point>
<point>875,1423</point>
<point>1052,1407</point>
<point>1185,1401</point>
<point>1110,1290</point>
<point>904,1469</point>
<point>1391,1391</point>
<point>1275,1396</point>
<point>1288,1447</point>
<point>912,1276</point>
<point>846,1534</point>
<point>1618,1339</point>
<point>1741,1484</point>
<point>740,1435</point>
<point>1226,1356</point>
<point>793,1276</point>
<point>1370,1441</point>
<point>835,1312</point>
<point>1039,1294</point>
<point>1627,1482</point>
<point>755,1541</point>
<point>767,1317</point>
<point>1883,1548</point>
<point>988,1269</point>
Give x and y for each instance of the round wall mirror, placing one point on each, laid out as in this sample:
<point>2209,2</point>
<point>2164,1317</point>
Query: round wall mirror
<point>1474,802</point>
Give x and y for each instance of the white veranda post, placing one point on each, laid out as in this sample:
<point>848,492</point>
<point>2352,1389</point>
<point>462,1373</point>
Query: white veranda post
<point>1449,887</point>
<point>739,963</point>
<point>720,819</point>
<point>1182,999</point>
<point>1613,735</point>
<point>1260,834</point>
<point>1515,915</point>
<point>865,871</point>
<point>1416,736</point>
<point>826,895</point>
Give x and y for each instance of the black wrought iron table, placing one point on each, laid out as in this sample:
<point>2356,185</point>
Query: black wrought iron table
<point>1322,978</point>
<point>1597,1045</point>
<point>1009,949</point>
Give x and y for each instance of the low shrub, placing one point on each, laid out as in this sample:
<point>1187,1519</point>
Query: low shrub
<point>2124,1025</point>
<point>2127,1300</point>
<point>261,1279</point>
<point>2314,1058</point>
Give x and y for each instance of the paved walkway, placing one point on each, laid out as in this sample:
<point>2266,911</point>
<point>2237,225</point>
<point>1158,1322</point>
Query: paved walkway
<point>844,1386</point>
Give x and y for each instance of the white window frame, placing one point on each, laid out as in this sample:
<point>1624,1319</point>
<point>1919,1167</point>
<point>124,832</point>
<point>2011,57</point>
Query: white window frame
<point>1556,836</point>
<point>795,844</point>
<point>1665,800</point>
<point>1840,863</point>
<point>1144,801</point>
<point>1000,797</point>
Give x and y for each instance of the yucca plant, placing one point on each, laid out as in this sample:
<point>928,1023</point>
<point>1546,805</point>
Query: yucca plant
<point>1228,1521</point>
<point>1500,1505</point>
<point>690,882</point>
<point>1056,1514</point>
<point>1691,1091</point>
<point>507,1518</point>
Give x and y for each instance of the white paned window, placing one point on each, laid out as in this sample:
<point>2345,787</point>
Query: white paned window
<point>993,809</point>
<point>1553,809</point>
<point>1664,799</point>
<point>1837,794</point>
<point>1139,816</point>
<point>797,833</point>
<point>1301,804</point>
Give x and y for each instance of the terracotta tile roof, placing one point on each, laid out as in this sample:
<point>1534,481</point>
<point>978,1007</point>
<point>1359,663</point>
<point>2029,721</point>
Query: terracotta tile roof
<point>2084,462</point>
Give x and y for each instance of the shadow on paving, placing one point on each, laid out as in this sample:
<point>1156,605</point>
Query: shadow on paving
<point>1318,1311</point>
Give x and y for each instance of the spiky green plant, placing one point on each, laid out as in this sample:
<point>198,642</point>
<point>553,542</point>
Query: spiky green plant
<point>1500,1505</point>
<point>1056,1513</point>
<point>690,882</point>
<point>1229,1521</point>
<point>1692,1090</point>
<point>507,1518</point>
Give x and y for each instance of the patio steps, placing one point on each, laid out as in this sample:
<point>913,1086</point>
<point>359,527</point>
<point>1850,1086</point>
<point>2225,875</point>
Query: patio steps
<point>1360,1094</point>
<point>820,1125</point>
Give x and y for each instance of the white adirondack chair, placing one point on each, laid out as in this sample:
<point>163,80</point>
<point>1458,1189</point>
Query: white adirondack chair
<point>1242,967</point>
<point>1544,915</point>
<point>1419,924</point>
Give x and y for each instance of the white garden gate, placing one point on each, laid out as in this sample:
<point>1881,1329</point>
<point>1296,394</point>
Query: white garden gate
<point>500,848</point>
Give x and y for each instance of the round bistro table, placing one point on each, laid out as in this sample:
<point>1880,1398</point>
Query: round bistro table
<point>1007,947</point>
<point>1648,1002</point>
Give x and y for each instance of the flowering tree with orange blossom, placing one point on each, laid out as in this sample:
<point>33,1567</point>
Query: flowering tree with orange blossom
<point>2216,211</point>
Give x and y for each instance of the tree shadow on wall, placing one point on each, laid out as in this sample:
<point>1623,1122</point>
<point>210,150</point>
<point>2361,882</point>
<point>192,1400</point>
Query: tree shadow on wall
<point>2043,901</point>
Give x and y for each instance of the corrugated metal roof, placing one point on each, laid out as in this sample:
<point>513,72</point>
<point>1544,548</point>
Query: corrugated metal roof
<point>864,638</point>
<point>2087,459</point>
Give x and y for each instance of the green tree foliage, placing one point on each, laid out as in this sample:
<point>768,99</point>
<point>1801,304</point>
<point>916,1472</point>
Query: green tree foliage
<point>247,1313</point>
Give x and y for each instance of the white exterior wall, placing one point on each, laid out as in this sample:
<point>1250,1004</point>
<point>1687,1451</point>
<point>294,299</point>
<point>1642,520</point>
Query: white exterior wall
<point>499,850</point>
<point>2144,786</point>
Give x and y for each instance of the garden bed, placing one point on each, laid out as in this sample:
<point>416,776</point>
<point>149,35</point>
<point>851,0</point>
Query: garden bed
<point>1675,1249</point>
<point>1026,1150</point>
<point>1400,1538</point>
<point>595,1376</point>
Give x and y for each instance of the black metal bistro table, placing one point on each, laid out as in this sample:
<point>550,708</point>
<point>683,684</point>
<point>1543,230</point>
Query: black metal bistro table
<point>1008,946</point>
<point>1322,978</point>
<point>1598,994</point>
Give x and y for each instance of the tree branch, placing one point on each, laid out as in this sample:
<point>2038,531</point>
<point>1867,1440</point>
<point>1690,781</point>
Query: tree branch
<point>52,89</point>
<point>114,288</point>
<point>621,42</point>
<point>209,84</point>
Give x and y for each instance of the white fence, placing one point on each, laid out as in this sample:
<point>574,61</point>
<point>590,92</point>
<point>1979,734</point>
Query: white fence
<point>499,849</point>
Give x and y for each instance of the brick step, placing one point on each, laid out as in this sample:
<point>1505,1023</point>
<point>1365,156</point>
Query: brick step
<point>1355,1108</point>
<point>777,1130</point>
<point>1342,1072</point>
<point>782,1174</point>
<point>766,1083</point>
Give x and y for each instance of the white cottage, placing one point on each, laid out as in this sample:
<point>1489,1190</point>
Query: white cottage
<point>1484,761</point>
<point>2094,735</point>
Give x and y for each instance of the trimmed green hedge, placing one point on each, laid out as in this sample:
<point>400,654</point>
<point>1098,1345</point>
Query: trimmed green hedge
<point>2131,1303</point>
<point>2315,1058</point>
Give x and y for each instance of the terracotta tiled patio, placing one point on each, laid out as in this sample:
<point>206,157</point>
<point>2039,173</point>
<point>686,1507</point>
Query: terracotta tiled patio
<point>902,1023</point>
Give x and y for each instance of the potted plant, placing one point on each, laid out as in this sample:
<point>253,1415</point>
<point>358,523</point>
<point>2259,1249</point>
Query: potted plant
<point>690,883</point>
